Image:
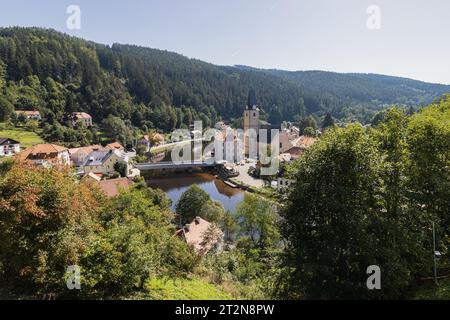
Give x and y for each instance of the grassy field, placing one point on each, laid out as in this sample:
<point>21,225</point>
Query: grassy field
<point>184,289</point>
<point>26,138</point>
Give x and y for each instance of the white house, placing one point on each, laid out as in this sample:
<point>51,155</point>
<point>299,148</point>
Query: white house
<point>46,154</point>
<point>81,118</point>
<point>9,147</point>
<point>102,162</point>
<point>79,155</point>
<point>30,114</point>
<point>284,184</point>
<point>228,146</point>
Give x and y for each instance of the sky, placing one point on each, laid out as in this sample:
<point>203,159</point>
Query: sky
<point>408,38</point>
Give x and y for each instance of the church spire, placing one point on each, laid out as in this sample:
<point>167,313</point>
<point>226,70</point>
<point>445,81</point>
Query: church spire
<point>251,100</point>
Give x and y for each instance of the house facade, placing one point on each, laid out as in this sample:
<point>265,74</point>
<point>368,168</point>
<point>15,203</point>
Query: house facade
<point>251,126</point>
<point>102,162</point>
<point>81,118</point>
<point>284,184</point>
<point>78,156</point>
<point>46,155</point>
<point>30,114</point>
<point>9,147</point>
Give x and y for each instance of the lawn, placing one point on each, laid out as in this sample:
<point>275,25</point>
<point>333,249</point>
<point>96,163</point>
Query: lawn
<point>184,289</point>
<point>26,138</point>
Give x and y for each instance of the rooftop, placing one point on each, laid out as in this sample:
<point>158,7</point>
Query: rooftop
<point>112,187</point>
<point>81,115</point>
<point>97,158</point>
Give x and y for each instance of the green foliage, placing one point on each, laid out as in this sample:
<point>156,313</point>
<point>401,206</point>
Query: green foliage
<point>183,289</point>
<point>328,121</point>
<point>257,222</point>
<point>121,168</point>
<point>306,122</point>
<point>49,222</point>
<point>46,220</point>
<point>191,202</point>
<point>6,109</point>
<point>26,138</point>
<point>368,198</point>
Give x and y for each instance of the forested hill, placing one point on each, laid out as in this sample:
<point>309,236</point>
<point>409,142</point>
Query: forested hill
<point>56,73</point>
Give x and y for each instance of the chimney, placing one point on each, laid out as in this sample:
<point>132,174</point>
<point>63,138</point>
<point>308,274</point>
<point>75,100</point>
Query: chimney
<point>197,220</point>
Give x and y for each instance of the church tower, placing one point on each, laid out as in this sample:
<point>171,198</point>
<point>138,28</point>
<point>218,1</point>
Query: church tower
<point>251,122</point>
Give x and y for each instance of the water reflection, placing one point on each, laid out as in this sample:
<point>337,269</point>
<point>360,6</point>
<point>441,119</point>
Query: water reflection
<point>174,186</point>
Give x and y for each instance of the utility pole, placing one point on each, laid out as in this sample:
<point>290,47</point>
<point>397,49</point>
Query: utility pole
<point>434,254</point>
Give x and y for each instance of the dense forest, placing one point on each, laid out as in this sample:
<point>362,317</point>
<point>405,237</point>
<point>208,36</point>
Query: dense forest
<point>148,88</point>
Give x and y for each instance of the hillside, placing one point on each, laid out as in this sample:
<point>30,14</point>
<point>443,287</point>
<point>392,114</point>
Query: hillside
<point>56,73</point>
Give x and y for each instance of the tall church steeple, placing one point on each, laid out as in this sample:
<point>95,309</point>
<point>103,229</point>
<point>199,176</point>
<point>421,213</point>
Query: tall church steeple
<point>251,120</point>
<point>251,100</point>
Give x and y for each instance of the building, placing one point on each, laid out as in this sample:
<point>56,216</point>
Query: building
<point>251,126</point>
<point>78,156</point>
<point>115,146</point>
<point>30,114</point>
<point>46,155</point>
<point>288,137</point>
<point>284,184</point>
<point>152,139</point>
<point>81,118</point>
<point>110,187</point>
<point>9,147</point>
<point>201,235</point>
<point>228,146</point>
<point>299,146</point>
<point>102,162</point>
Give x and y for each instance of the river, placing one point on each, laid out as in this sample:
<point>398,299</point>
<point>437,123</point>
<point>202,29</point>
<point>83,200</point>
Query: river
<point>175,185</point>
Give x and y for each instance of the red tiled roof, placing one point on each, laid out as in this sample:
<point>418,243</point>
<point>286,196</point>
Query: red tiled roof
<point>112,187</point>
<point>193,234</point>
<point>47,150</point>
<point>81,115</point>
<point>114,145</point>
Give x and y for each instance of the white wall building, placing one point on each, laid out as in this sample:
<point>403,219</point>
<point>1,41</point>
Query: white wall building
<point>9,147</point>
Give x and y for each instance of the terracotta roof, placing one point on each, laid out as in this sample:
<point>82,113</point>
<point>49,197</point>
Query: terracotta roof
<point>193,234</point>
<point>42,149</point>
<point>28,112</point>
<point>304,142</point>
<point>81,115</point>
<point>112,187</point>
<point>92,176</point>
<point>114,145</point>
<point>88,149</point>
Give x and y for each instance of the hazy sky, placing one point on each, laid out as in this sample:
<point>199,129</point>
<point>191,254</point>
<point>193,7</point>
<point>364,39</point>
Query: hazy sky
<point>414,39</point>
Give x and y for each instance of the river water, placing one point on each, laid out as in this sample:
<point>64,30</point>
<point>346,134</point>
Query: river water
<point>175,185</point>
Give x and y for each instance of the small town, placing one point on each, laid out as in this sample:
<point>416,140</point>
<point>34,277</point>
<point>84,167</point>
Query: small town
<point>256,154</point>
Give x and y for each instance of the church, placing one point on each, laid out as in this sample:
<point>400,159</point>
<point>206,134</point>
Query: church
<point>252,125</point>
